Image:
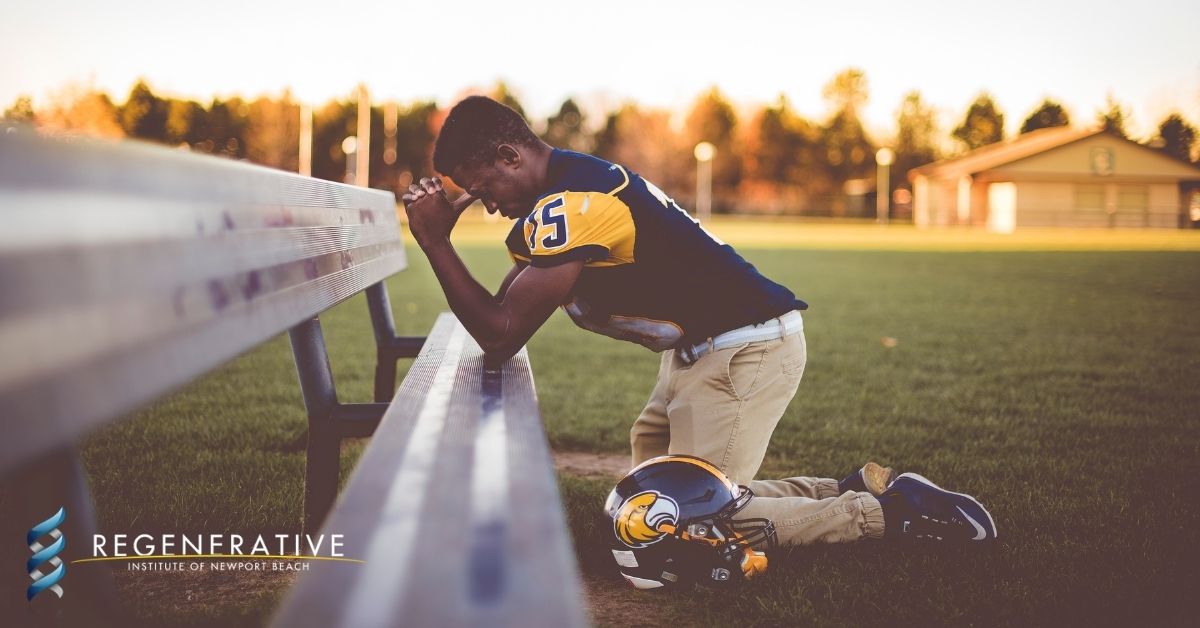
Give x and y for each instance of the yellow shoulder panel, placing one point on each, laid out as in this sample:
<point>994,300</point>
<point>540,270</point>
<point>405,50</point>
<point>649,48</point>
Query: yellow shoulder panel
<point>592,226</point>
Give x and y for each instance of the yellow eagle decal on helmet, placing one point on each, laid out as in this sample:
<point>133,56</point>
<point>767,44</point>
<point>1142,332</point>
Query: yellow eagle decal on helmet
<point>638,519</point>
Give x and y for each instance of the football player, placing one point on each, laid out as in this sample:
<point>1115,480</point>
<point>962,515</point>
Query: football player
<point>624,260</point>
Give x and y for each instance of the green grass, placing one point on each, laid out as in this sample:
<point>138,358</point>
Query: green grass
<point>1060,387</point>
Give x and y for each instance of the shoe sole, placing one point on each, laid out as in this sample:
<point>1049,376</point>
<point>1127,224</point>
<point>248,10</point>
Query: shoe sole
<point>922,479</point>
<point>877,478</point>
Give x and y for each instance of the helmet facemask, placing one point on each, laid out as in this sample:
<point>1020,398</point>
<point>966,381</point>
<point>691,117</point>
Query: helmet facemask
<point>737,542</point>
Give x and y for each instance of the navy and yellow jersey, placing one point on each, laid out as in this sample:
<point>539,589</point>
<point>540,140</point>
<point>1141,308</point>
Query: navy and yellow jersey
<point>652,274</point>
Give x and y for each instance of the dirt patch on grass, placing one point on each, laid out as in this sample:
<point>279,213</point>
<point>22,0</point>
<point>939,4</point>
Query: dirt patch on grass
<point>609,600</point>
<point>612,602</point>
<point>590,465</point>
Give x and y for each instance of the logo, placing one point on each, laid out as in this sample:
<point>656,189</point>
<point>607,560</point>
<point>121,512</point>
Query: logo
<point>638,520</point>
<point>1102,161</point>
<point>980,533</point>
<point>46,554</point>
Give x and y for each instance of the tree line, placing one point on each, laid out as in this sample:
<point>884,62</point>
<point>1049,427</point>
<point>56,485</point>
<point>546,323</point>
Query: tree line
<point>774,160</point>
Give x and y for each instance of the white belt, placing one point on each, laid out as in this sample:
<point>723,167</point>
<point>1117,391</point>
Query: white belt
<point>779,327</point>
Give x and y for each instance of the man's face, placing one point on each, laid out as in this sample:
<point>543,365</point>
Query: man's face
<point>498,185</point>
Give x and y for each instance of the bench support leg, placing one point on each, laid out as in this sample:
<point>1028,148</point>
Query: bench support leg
<point>385,330</point>
<point>388,346</point>
<point>328,420</point>
<point>324,441</point>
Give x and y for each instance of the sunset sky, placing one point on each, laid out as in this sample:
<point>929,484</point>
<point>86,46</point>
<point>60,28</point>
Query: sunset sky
<point>659,53</point>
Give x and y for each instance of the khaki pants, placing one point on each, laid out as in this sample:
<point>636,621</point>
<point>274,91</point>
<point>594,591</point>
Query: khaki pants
<point>723,408</point>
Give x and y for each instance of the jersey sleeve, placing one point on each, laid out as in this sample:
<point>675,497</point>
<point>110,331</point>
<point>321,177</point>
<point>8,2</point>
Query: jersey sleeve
<point>570,226</point>
<point>518,250</point>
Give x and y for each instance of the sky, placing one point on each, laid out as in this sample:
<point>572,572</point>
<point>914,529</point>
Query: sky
<point>661,53</point>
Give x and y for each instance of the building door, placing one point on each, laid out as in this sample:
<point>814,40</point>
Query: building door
<point>1002,207</point>
<point>1091,209</point>
<point>1133,206</point>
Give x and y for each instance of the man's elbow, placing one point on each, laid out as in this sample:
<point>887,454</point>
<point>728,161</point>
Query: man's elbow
<point>497,351</point>
<point>495,356</point>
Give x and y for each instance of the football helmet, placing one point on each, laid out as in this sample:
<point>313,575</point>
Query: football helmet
<point>673,524</point>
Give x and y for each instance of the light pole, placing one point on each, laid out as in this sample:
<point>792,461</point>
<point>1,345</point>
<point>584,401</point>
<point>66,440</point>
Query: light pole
<point>704,155</point>
<point>884,159</point>
<point>306,119</point>
<point>362,145</point>
<point>350,148</point>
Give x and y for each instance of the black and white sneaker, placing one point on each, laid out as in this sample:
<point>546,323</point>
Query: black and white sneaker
<point>915,508</point>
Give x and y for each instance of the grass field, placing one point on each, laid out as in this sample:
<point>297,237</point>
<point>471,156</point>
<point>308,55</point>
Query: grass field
<point>1054,375</point>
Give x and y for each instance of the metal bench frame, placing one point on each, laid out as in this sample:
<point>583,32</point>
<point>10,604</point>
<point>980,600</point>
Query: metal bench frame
<point>283,249</point>
<point>329,421</point>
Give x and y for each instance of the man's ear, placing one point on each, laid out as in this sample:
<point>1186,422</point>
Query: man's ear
<point>509,155</point>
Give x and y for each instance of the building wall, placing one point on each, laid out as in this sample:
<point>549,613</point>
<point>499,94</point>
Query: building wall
<point>979,203</point>
<point>1045,204</point>
<point>1086,204</point>
<point>1166,206</point>
<point>936,203</point>
<point>921,201</point>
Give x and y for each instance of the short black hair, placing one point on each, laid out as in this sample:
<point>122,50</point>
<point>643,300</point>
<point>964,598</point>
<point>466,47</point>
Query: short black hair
<point>473,130</point>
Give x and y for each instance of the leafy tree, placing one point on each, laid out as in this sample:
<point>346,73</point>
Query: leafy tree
<point>848,152</point>
<point>780,146</point>
<point>332,124</point>
<point>607,141</point>
<point>1048,114</point>
<point>643,140</point>
<point>1177,137</point>
<point>982,125</point>
<point>847,90</point>
<point>1113,117</point>
<point>782,165</point>
<point>224,128</point>
<point>502,93</point>
<point>21,111</point>
<point>565,128</point>
<point>916,137</point>
<point>712,119</point>
<point>414,139</point>
<point>144,115</point>
<point>83,111</point>
<point>272,132</point>
<point>185,122</point>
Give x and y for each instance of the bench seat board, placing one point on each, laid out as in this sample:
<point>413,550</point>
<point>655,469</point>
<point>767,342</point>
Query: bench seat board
<point>454,507</point>
<point>128,270</point>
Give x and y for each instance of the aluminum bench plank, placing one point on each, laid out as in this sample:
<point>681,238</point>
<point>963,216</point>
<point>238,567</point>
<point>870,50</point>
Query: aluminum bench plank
<point>454,507</point>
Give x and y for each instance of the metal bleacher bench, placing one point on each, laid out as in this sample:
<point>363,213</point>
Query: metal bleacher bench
<point>129,270</point>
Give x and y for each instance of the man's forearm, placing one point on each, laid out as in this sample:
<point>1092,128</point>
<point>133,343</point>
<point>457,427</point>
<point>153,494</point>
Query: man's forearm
<point>480,313</point>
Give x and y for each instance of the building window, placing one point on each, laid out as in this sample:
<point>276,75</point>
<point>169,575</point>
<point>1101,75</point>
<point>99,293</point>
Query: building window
<point>1089,197</point>
<point>1133,198</point>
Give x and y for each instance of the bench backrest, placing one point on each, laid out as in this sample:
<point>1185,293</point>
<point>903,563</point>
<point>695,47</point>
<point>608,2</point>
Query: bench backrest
<point>127,270</point>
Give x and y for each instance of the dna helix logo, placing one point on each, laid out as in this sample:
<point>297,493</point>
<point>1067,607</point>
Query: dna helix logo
<point>46,554</point>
